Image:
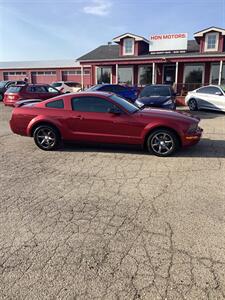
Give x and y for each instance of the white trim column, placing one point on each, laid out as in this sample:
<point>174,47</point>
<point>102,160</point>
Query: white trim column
<point>116,73</point>
<point>82,77</point>
<point>176,75</point>
<point>153,73</point>
<point>220,72</point>
<point>96,74</point>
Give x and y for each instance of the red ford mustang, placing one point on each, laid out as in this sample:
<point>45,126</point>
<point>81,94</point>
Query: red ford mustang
<point>103,118</point>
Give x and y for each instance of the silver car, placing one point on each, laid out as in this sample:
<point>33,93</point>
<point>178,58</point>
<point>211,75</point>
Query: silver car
<point>208,97</point>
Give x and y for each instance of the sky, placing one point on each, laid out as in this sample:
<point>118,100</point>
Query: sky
<point>67,29</point>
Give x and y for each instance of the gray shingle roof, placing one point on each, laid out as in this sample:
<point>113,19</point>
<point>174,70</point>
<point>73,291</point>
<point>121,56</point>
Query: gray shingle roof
<point>108,52</point>
<point>102,52</point>
<point>66,63</point>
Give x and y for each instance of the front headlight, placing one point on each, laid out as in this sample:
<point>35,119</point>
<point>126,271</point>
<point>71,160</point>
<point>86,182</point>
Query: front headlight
<point>168,102</point>
<point>193,128</point>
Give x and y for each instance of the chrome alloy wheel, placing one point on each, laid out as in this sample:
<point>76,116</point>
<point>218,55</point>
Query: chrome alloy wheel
<point>162,143</point>
<point>46,138</point>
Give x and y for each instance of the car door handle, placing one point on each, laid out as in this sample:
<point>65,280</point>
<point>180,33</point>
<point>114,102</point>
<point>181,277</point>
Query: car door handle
<point>79,117</point>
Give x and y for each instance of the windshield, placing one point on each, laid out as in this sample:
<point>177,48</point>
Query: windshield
<point>131,108</point>
<point>56,84</point>
<point>153,91</point>
<point>3,83</point>
<point>94,87</point>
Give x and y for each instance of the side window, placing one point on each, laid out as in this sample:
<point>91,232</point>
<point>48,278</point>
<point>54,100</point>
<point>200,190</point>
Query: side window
<point>50,89</point>
<point>55,104</point>
<point>91,104</point>
<point>31,89</point>
<point>215,91</point>
<point>209,90</point>
<point>40,89</point>
<point>204,90</point>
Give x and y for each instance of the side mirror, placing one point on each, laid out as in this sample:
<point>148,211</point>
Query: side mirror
<point>218,93</point>
<point>114,110</point>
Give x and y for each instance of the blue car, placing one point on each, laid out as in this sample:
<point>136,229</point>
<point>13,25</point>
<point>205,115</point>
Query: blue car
<point>157,95</point>
<point>127,92</point>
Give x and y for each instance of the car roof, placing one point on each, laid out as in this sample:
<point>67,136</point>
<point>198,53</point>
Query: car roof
<point>209,85</point>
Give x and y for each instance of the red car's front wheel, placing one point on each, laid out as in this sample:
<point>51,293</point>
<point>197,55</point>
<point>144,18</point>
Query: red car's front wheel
<point>162,142</point>
<point>46,137</point>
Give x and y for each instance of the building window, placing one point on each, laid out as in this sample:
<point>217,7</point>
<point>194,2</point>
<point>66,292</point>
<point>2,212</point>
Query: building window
<point>214,73</point>
<point>125,75</point>
<point>104,75</point>
<point>211,42</point>
<point>128,46</point>
<point>44,73</point>
<point>86,72</point>
<point>144,75</point>
<point>72,72</point>
<point>193,76</point>
<point>14,73</point>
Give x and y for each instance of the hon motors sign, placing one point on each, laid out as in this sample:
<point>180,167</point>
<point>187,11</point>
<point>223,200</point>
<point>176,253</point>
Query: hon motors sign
<point>168,42</point>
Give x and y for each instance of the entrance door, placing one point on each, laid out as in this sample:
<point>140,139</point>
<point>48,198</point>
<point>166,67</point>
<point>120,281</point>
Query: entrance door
<point>169,74</point>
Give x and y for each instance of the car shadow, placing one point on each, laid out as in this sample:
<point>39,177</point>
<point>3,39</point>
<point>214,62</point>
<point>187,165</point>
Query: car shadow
<point>204,114</point>
<point>205,148</point>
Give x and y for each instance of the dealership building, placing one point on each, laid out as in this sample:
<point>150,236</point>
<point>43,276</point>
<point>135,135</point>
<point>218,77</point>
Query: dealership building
<point>135,60</point>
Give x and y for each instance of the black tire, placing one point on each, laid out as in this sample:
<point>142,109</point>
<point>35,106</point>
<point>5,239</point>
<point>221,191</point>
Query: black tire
<point>47,137</point>
<point>162,142</point>
<point>192,104</point>
<point>1,97</point>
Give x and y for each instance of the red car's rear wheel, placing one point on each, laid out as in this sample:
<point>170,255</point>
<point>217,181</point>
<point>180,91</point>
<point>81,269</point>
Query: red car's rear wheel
<point>162,142</point>
<point>46,137</point>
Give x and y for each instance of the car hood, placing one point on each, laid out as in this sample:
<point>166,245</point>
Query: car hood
<point>154,99</point>
<point>167,114</point>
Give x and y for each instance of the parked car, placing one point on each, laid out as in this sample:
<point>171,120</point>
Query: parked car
<point>157,95</point>
<point>29,91</point>
<point>129,93</point>
<point>4,85</point>
<point>207,97</point>
<point>104,118</point>
<point>67,86</point>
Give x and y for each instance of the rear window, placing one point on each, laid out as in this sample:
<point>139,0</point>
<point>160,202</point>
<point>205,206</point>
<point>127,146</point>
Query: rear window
<point>55,104</point>
<point>14,89</point>
<point>151,91</point>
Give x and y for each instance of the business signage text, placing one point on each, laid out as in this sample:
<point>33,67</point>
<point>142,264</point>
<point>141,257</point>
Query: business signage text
<point>168,42</point>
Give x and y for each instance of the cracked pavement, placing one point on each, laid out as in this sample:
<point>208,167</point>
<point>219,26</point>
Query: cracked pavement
<point>102,222</point>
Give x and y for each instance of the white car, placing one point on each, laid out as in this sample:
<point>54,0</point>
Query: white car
<point>67,86</point>
<point>207,97</point>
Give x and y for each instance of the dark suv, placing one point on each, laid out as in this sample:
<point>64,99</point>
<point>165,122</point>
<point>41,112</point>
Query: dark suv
<point>29,91</point>
<point>157,95</point>
<point>4,85</point>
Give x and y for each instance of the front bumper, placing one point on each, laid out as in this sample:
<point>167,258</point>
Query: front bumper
<point>171,106</point>
<point>192,138</point>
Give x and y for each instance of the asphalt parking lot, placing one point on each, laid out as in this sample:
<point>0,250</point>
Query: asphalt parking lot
<point>93,222</point>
